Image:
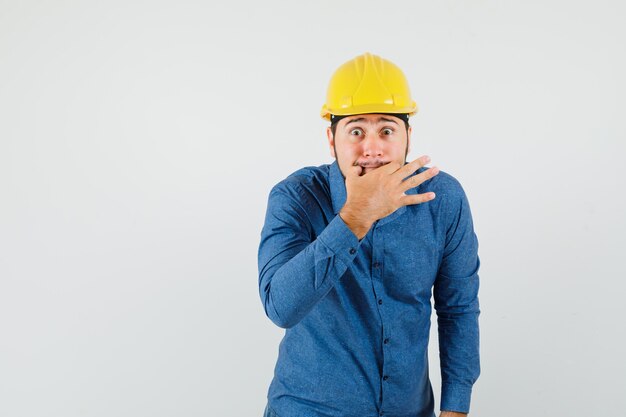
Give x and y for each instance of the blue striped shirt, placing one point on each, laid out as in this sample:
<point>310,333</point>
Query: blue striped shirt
<point>357,312</point>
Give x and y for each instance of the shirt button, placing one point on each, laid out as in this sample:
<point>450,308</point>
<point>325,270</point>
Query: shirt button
<point>376,264</point>
<point>386,341</point>
<point>352,251</point>
<point>385,378</point>
<point>380,301</point>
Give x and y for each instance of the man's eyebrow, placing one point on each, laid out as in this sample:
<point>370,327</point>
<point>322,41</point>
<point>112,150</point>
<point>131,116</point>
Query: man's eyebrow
<point>387,120</point>
<point>360,119</point>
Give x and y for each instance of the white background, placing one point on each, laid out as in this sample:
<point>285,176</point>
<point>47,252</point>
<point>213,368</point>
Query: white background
<point>139,141</point>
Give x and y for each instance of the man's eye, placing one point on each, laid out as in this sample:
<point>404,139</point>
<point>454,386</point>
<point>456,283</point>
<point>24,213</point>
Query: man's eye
<point>387,131</point>
<point>356,132</point>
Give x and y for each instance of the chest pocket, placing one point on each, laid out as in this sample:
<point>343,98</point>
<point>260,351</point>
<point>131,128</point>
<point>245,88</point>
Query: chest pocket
<point>411,261</point>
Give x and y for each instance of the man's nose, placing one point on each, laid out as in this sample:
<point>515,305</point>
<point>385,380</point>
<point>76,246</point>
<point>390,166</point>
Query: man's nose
<point>372,146</point>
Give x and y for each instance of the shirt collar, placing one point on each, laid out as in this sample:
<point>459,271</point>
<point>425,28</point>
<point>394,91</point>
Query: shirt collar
<point>338,193</point>
<point>337,187</point>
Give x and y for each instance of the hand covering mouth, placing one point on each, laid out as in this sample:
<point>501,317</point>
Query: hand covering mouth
<point>371,165</point>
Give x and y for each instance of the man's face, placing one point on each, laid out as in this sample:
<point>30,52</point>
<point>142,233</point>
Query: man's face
<point>369,140</point>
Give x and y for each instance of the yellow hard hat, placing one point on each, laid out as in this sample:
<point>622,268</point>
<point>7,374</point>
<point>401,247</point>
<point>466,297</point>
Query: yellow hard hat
<point>368,84</point>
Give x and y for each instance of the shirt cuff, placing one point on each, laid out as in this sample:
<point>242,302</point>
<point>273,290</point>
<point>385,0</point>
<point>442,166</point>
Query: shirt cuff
<point>455,398</point>
<point>338,237</point>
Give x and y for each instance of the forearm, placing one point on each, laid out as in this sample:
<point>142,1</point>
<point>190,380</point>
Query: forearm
<point>458,331</point>
<point>290,288</point>
<point>456,303</point>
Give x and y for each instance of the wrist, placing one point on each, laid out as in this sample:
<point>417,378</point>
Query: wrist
<point>355,221</point>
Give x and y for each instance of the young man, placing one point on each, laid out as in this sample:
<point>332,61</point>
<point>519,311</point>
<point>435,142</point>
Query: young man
<point>349,255</point>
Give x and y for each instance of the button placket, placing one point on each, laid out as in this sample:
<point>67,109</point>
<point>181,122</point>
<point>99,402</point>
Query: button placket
<point>377,281</point>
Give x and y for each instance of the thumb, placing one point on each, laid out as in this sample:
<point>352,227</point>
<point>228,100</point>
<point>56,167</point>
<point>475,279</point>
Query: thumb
<point>353,171</point>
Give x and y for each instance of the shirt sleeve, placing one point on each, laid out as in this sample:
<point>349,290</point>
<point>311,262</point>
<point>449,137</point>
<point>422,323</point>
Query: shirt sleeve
<point>295,270</point>
<point>456,303</point>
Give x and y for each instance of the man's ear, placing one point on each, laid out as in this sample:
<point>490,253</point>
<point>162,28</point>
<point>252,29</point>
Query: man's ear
<point>331,142</point>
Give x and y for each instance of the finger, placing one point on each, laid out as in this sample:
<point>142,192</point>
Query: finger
<point>417,198</point>
<point>412,166</point>
<point>415,180</point>
<point>390,167</point>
